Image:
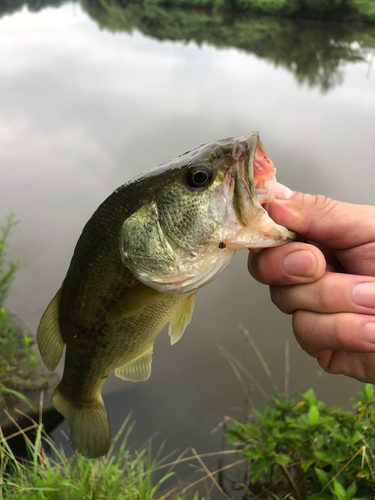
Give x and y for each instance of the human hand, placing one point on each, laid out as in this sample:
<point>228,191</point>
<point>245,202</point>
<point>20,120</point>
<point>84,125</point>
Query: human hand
<point>326,280</point>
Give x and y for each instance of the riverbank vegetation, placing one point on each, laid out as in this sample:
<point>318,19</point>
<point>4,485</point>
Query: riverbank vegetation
<point>9,264</point>
<point>297,448</point>
<point>48,475</point>
<point>19,365</point>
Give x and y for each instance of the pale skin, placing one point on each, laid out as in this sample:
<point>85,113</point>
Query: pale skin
<point>327,280</point>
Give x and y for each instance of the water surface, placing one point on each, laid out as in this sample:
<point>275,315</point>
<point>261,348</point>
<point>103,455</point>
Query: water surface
<point>86,106</point>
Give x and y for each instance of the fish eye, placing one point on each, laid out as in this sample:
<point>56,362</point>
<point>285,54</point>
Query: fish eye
<point>199,175</point>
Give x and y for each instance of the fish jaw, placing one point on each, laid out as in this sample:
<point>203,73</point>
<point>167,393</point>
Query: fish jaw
<point>190,275</point>
<point>249,225</point>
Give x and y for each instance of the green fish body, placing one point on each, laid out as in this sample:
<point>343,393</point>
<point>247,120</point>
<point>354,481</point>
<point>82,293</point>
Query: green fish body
<point>137,266</point>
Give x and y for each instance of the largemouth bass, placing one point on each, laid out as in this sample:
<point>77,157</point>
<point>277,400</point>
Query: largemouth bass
<point>137,266</point>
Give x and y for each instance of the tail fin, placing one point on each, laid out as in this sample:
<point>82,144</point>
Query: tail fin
<point>90,434</point>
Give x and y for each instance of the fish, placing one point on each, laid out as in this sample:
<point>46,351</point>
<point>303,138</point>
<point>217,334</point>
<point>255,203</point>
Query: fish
<point>138,264</point>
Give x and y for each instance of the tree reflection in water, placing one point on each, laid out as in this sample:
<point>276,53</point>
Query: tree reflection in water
<point>314,51</point>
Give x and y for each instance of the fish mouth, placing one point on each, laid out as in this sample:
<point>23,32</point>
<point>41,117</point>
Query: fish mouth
<point>251,167</point>
<point>253,163</point>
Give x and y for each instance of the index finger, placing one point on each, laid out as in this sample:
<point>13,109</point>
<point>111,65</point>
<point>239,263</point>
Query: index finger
<point>291,264</point>
<point>324,220</point>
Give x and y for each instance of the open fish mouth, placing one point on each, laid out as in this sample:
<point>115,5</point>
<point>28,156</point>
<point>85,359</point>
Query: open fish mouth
<point>254,167</point>
<point>251,167</point>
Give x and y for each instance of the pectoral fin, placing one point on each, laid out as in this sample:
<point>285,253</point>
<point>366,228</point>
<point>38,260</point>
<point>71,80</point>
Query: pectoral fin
<point>181,320</point>
<point>132,302</point>
<point>48,336</point>
<point>137,370</point>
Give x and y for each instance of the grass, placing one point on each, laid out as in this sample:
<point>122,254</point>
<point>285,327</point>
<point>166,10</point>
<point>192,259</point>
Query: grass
<point>9,263</point>
<point>48,475</point>
<point>121,476</point>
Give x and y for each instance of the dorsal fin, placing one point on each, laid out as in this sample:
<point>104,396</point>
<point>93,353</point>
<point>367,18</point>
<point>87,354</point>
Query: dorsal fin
<point>48,336</point>
<point>137,370</point>
<point>133,301</point>
<point>182,318</point>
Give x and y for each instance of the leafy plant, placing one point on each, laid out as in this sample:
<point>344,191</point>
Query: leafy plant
<point>8,268</point>
<point>302,447</point>
<point>19,366</point>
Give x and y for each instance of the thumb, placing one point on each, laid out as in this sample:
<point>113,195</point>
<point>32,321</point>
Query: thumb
<point>329,222</point>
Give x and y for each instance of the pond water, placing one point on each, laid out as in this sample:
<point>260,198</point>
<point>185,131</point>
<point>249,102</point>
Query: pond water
<point>90,98</point>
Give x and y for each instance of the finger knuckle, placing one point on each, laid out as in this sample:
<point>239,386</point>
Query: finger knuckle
<point>324,292</point>
<point>324,203</point>
<point>319,204</point>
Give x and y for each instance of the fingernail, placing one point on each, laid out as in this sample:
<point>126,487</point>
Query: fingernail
<point>364,294</point>
<point>301,263</point>
<point>369,333</point>
<point>279,190</point>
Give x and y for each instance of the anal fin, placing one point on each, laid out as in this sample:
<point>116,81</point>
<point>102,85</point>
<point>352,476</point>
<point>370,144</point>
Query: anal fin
<point>133,301</point>
<point>182,318</point>
<point>48,336</point>
<point>137,370</point>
